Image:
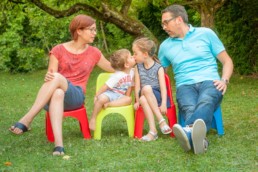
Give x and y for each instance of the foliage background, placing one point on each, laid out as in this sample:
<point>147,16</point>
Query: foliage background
<point>27,33</point>
<point>237,26</point>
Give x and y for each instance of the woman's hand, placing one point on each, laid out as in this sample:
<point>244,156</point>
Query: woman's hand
<point>49,76</point>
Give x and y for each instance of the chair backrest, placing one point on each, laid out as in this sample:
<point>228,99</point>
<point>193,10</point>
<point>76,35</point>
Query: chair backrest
<point>102,78</point>
<point>169,90</point>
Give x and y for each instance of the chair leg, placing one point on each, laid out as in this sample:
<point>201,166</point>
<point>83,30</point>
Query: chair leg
<point>139,122</point>
<point>181,120</point>
<point>217,117</point>
<point>130,122</point>
<point>49,130</point>
<point>81,116</point>
<point>97,132</point>
<point>171,115</point>
<point>84,125</point>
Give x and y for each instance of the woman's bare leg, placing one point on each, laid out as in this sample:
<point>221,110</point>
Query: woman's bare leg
<point>44,95</point>
<point>56,110</point>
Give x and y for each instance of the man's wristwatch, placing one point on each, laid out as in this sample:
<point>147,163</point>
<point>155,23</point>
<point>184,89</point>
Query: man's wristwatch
<point>225,80</point>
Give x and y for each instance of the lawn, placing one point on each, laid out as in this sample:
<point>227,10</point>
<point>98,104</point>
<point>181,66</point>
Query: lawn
<point>237,150</point>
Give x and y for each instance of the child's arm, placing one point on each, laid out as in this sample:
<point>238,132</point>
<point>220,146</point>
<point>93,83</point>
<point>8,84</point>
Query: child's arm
<point>108,84</point>
<point>100,91</point>
<point>163,90</point>
<point>136,87</point>
<point>128,92</point>
<point>130,89</point>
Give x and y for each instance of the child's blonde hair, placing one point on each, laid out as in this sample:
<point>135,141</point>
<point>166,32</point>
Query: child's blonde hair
<point>118,59</point>
<point>147,45</point>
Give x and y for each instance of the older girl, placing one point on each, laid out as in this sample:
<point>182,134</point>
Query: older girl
<point>150,87</point>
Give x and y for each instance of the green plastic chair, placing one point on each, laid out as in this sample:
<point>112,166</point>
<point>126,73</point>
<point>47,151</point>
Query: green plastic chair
<point>126,111</point>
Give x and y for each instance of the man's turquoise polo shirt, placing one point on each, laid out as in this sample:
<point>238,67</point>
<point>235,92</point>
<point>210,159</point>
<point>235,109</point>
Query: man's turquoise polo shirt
<point>193,58</point>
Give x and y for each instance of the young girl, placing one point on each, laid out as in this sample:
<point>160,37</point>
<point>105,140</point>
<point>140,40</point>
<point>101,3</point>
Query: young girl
<point>150,87</point>
<point>117,89</point>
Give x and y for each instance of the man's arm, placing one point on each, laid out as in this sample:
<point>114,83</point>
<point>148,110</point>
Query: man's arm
<point>227,71</point>
<point>227,65</point>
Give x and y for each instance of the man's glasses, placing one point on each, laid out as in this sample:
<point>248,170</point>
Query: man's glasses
<point>165,22</point>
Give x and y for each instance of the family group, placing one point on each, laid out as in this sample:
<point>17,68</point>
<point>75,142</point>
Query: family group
<point>193,53</point>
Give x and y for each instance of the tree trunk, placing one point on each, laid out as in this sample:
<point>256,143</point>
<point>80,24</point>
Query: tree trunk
<point>119,18</point>
<point>207,17</point>
<point>104,37</point>
<point>206,8</point>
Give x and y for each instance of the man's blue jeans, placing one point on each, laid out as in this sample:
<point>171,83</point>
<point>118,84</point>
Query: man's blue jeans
<point>198,101</point>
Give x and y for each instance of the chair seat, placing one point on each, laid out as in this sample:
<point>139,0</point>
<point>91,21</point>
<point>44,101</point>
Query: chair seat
<point>79,114</point>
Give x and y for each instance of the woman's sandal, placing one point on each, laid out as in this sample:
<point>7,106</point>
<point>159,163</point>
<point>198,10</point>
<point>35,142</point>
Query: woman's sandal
<point>23,128</point>
<point>146,138</point>
<point>165,129</point>
<point>58,151</point>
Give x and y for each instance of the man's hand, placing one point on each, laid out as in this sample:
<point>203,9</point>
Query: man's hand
<point>221,86</point>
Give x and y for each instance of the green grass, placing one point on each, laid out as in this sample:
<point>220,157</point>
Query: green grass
<point>235,151</point>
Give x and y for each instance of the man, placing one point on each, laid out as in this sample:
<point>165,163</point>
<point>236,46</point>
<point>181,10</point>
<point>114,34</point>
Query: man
<point>193,52</point>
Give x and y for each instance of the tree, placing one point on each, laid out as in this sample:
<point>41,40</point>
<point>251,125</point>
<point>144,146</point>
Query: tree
<point>206,8</point>
<point>103,11</point>
<point>27,33</point>
<point>118,12</point>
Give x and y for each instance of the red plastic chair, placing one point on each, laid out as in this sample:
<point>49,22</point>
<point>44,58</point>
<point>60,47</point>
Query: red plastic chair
<point>171,113</point>
<point>80,114</point>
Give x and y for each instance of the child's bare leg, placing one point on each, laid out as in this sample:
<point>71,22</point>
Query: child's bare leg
<point>44,95</point>
<point>152,101</point>
<point>123,101</point>
<point>102,99</point>
<point>148,114</point>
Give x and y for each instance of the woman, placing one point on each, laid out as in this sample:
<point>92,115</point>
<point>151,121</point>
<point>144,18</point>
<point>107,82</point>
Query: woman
<point>70,65</point>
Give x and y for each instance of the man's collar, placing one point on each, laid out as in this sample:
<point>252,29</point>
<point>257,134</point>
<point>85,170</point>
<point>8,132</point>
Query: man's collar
<point>191,28</point>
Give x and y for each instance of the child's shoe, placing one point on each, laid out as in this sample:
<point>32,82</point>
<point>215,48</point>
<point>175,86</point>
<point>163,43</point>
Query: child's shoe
<point>165,129</point>
<point>146,138</point>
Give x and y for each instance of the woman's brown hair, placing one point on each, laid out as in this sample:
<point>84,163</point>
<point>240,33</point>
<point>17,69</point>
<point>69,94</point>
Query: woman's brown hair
<point>80,22</point>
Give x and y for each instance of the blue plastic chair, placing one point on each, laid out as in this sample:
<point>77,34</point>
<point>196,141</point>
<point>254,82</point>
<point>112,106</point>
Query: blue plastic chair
<point>217,122</point>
